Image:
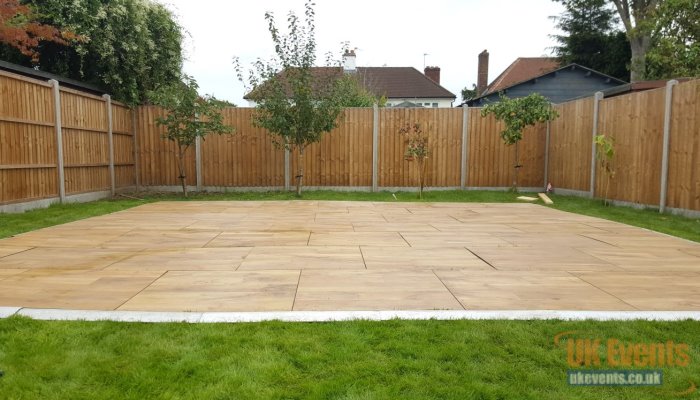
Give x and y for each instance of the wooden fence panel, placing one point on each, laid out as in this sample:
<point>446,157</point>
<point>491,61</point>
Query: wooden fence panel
<point>443,165</point>
<point>635,121</point>
<point>247,158</point>
<point>123,141</point>
<point>343,157</point>
<point>28,154</point>
<point>158,156</point>
<point>85,142</point>
<point>684,152</point>
<point>570,145</point>
<point>491,162</point>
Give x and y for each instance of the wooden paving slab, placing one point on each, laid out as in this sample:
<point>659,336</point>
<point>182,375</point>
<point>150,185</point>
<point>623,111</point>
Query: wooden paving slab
<point>303,257</point>
<point>185,259</point>
<point>650,290</point>
<point>501,290</point>
<point>372,290</point>
<point>218,291</point>
<point>325,255</point>
<point>376,257</point>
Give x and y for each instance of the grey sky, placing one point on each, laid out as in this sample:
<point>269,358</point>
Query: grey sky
<point>391,33</point>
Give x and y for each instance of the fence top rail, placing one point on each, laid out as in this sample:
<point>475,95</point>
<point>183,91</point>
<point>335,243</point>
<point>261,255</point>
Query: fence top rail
<point>43,83</point>
<point>24,78</point>
<point>82,94</point>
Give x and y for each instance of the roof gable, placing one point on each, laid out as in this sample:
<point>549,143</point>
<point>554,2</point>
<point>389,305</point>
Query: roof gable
<point>521,70</point>
<point>561,76</point>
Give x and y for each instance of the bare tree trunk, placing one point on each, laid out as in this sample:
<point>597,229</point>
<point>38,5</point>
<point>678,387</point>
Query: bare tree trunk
<point>181,167</point>
<point>419,163</point>
<point>300,173</point>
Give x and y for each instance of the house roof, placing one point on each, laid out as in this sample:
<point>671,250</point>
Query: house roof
<point>390,82</point>
<point>548,72</point>
<point>522,69</point>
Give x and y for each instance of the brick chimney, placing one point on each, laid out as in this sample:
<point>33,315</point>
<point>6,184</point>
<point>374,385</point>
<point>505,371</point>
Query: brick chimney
<point>349,61</point>
<point>482,79</point>
<point>433,73</point>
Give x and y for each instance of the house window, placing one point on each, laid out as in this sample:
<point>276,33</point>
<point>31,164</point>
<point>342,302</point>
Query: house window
<point>434,105</point>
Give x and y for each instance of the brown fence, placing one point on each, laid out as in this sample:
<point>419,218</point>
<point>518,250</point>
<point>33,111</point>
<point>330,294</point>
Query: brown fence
<point>636,123</point>
<point>32,125</point>
<point>364,151</point>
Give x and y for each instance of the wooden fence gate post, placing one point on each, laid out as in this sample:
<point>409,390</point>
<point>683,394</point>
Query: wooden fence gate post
<point>667,139</point>
<point>465,147</point>
<point>59,140</point>
<point>596,108</point>
<point>110,142</point>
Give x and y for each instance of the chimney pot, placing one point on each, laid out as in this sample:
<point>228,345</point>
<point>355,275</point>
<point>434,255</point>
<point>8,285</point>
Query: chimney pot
<point>349,61</point>
<point>482,79</point>
<point>433,73</point>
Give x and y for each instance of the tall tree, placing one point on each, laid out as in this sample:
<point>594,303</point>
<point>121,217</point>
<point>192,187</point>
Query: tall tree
<point>638,17</point>
<point>189,116</point>
<point>130,46</point>
<point>20,30</point>
<point>296,105</point>
<point>675,49</point>
<point>590,37</point>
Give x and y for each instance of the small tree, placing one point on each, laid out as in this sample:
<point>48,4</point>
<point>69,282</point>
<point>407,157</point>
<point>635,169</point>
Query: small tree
<point>418,149</point>
<point>189,116</point>
<point>296,104</point>
<point>605,155</point>
<point>517,114</point>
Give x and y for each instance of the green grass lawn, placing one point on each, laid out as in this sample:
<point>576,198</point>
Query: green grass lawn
<point>688,228</point>
<point>340,360</point>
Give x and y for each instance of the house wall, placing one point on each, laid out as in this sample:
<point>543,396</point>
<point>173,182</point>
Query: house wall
<point>442,103</point>
<point>558,87</point>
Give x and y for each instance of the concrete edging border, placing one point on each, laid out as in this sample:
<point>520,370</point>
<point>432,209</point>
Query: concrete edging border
<point>331,316</point>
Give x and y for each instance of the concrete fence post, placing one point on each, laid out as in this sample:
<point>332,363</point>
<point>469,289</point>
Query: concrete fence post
<point>287,168</point>
<point>667,139</point>
<point>546,155</point>
<point>465,147</point>
<point>375,148</point>
<point>198,162</point>
<point>596,112</point>
<point>59,140</point>
<point>198,158</point>
<point>137,166</point>
<point>110,141</point>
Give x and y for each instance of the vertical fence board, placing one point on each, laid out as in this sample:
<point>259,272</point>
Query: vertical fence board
<point>27,140</point>
<point>684,154</point>
<point>248,158</point>
<point>635,121</point>
<point>570,145</point>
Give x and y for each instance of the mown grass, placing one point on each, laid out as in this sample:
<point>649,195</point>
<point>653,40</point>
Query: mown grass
<point>340,360</point>
<point>688,228</point>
